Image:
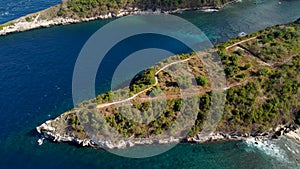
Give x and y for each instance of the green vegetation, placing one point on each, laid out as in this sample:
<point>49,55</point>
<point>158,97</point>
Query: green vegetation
<point>276,43</point>
<point>78,9</point>
<point>5,25</point>
<point>270,97</point>
<point>184,81</point>
<point>264,71</point>
<point>204,106</point>
<point>28,19</point>
<point>106,97</point>
<point>142,81</point>
<point>265,102</point>
<point>89,8</point>
<point>201,80</point>
<point>259,95</point>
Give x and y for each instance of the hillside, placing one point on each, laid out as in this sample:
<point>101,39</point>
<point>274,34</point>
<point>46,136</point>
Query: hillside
<point>263,83</point>
<point>75,11</point>
<point>90,8</point>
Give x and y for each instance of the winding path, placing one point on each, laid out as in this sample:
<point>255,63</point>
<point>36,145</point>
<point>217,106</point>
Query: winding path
<point>253,55</point>
<point>161,69</point>
<point>237,43</point>
<point>185,60</point>
<point>145,90</point>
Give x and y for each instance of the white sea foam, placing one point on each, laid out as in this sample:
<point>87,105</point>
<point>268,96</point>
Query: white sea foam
<point>292,149</point>
<point>210,10</point>
<point>268,147</point>
<point>4,13</point>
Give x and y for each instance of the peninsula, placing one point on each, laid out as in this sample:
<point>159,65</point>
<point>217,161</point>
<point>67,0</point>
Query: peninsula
<point>76,11</point>
<point>262,101</point>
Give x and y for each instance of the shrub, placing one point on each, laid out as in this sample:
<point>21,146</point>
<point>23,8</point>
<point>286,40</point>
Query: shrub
<point>201,80</point>
<point>143,80</point>
<point>248,66</point>
<point>177,105</point>
<point>184,81</point>
<point>264,71</point>
<point>28,19</point>
<point>61,12</point>
<point>241,76</point>
<point>230,71</point>
<point>239,52</point>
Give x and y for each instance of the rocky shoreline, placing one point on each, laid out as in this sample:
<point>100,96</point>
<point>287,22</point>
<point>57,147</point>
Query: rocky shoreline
<point>291,131</point>
<point>23,24</point>
<point>48,131</point>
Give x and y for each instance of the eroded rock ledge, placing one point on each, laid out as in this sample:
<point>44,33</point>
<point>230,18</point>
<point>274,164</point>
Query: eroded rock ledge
<point>48,131</point>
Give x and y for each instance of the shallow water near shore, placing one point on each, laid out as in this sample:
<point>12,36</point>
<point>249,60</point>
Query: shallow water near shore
<point>36,74</point>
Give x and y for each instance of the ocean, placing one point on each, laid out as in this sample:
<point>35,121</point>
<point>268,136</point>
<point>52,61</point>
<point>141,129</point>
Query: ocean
<point>36,70</point>
<point>10,9</point>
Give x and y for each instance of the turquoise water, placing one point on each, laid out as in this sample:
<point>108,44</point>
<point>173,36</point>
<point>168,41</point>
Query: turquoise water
<point>36,73</point>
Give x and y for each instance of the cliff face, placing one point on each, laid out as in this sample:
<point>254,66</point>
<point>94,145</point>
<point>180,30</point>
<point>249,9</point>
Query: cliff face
<point>262,71</point>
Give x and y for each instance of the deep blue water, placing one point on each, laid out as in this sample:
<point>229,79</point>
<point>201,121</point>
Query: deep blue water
<point>12,9</point>
<point>36,84</point>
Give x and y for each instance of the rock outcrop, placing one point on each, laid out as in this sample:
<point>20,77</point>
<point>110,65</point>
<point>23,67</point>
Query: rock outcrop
<point>49,131</point>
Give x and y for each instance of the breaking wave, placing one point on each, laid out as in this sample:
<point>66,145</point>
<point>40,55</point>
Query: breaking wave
<point>284,151</point>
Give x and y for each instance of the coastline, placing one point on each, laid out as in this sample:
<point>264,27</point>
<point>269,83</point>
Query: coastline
<point>34,21</point>
<point>55,130</point>
<point>37,67</point>
<point>48,131</point>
